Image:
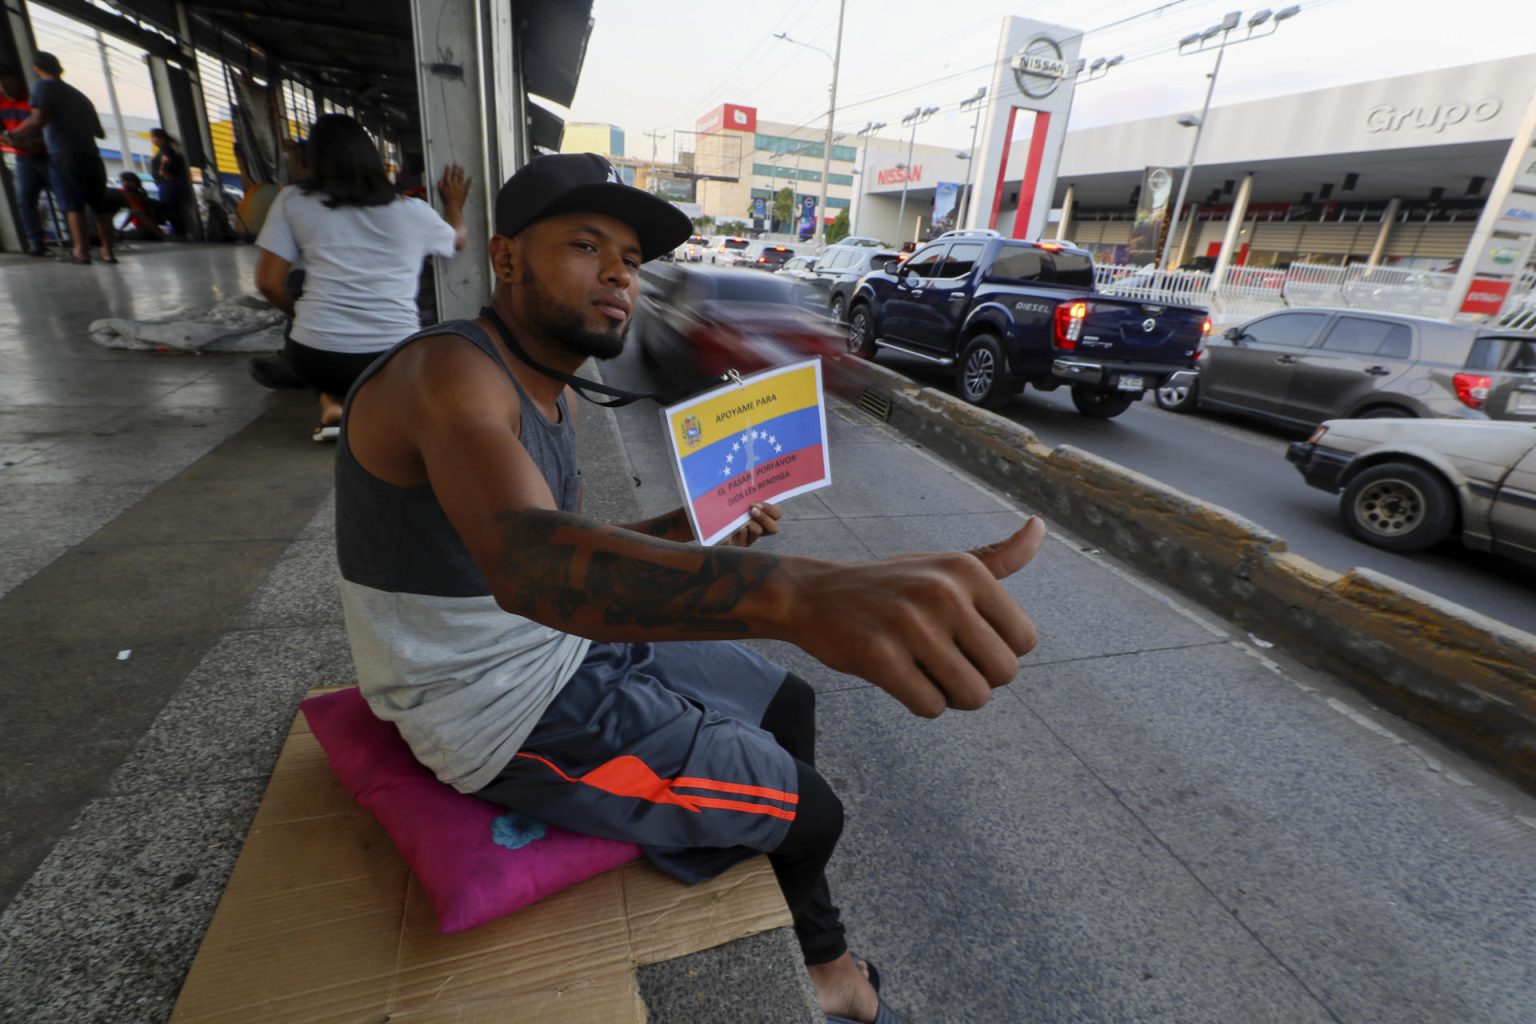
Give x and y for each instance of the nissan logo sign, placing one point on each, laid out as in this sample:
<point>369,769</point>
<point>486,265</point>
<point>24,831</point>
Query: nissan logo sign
<point>1039,67</point>
<point>1149,325</point>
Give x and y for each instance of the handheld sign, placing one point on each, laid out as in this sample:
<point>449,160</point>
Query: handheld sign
<point>763,439</point>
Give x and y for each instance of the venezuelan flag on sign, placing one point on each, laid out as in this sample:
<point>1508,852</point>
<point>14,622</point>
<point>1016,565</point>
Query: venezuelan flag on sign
<point>761,440</point>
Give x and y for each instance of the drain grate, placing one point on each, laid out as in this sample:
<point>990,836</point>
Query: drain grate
<point>877,405</point>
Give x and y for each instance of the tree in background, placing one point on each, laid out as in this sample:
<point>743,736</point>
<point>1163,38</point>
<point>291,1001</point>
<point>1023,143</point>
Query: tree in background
<point>838,229</point>
<point>734,227</point>
<point>784,207</point>
<point>702,224</point>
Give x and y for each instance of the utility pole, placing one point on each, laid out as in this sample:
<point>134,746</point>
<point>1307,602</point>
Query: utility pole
<point>117,113</point>
<point>826,149</point>
<point>651,178</point>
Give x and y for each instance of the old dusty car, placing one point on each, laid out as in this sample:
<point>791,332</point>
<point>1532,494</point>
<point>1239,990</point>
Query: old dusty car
<point>1410,484</point>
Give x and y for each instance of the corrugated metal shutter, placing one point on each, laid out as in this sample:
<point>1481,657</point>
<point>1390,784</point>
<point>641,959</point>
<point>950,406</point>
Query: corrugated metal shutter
<point>1276,236</point>
<point>1438,241</point>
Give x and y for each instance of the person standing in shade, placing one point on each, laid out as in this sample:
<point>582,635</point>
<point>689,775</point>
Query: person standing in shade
<point>31,158</point>
<point>362,247</point>
<point>69,125</point>
<point>169,169</point>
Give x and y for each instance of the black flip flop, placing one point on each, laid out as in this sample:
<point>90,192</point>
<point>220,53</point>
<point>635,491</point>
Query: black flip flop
<point>77,261</point>
<point>884,1015</point>
<point>109,259</point>
<point>871,971</point>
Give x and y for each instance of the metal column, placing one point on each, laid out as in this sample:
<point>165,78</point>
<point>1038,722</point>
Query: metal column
<point>16,49</point>
<point>1234,232</point>
<point>467,77</point>
<point>1067,203</point>
<point>1387,220</point>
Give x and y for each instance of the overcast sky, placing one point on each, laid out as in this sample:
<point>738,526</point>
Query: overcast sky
<point>659,64</point>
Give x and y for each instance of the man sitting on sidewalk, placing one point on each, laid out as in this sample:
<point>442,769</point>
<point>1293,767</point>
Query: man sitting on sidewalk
<point>554,665</point>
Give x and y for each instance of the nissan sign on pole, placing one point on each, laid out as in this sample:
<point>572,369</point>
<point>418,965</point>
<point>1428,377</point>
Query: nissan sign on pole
<point>1035,70</point>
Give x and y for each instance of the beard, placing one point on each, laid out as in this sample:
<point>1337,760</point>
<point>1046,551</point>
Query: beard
<point>566,324</point>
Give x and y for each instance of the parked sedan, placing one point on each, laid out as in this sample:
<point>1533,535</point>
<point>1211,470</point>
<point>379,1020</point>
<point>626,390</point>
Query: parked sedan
<point>765,256</point>
<point>838,272</point>
<point>694,322</point>
<point>1300,367</point>
<point>1409,485</point>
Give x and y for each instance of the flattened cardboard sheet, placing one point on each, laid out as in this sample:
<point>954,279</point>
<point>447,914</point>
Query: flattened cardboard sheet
<point>321,923</point>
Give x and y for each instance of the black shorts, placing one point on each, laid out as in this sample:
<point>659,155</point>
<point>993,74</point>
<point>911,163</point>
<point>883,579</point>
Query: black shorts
<point>80,182</point>
<point>326,371</point>
<point>660,745</point>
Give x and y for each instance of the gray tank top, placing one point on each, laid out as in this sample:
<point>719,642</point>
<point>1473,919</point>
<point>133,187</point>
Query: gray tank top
<point>464,681</point>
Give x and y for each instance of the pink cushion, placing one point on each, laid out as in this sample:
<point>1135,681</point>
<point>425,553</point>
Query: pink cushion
<point>475,860</point>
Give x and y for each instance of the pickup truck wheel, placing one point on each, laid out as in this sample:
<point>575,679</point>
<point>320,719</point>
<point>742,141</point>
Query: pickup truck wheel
<point>839,309</point>
<point>981,376</point>
<point>861,334</point>
<point>1398,506</point>
<point>1177,397</point>
<point>1101,404</point>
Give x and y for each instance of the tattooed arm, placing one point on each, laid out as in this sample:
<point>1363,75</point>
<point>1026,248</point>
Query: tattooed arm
<point>934,631</point>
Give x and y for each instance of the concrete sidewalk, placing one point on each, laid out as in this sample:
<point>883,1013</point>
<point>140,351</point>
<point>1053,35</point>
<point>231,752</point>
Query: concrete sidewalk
<point>1158,821</point>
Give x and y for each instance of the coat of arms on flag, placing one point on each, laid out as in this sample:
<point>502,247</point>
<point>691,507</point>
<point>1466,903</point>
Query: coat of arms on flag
<point>767,443</point>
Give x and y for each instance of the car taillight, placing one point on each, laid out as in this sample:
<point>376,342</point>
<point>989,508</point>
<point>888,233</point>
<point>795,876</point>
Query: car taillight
<point>1069,324</point>
<point>1472,389</point>
<point>1050,246</point>
<point>1205,328</point>
<point>1318,435</point>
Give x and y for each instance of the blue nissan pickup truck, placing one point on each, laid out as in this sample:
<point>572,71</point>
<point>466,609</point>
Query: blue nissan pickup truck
<point>1005,312</point>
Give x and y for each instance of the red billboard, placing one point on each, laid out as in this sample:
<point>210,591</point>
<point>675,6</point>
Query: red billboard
<point>728,117</point>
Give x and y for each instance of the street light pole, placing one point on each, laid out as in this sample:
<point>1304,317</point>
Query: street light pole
<point>1224,29</point>
<point>1189,170</point>
<point>861,187</point>
<point>970,170</point>
<point>826,148</point>
<point>917,117</point>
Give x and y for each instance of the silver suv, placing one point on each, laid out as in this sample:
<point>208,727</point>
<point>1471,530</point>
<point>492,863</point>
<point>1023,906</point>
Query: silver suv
<point>1299,367</point>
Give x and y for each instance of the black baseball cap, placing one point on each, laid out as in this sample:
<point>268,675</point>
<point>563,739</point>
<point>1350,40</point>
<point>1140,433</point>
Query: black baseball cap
<point>548,186</point>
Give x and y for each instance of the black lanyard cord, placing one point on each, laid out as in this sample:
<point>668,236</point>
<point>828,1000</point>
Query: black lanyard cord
<point>619,396</point>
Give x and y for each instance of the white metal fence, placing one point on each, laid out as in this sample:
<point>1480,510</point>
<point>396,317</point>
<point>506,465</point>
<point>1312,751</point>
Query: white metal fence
<point>1253,291</point>
<point>1520,312</point>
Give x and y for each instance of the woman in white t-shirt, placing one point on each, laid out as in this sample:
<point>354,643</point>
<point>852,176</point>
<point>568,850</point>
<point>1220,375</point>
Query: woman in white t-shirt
<point>361,245</point>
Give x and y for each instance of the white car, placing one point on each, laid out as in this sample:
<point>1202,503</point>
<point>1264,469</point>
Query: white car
<point>1408,484</point>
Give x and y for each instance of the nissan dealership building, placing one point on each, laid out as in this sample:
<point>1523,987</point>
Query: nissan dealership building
<point>1398,167</point>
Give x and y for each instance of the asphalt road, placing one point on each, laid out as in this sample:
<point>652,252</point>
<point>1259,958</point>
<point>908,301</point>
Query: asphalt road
<point>1240,465</point>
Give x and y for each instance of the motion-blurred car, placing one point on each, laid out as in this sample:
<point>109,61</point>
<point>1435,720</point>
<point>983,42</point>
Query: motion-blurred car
<point>1407,486</point>
<point>860,240</point>
<point>838,273</point>
<point>1300,367</point>
<point>695,322</point>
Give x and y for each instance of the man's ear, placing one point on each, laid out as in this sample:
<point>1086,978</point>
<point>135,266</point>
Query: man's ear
<point>504,255</point>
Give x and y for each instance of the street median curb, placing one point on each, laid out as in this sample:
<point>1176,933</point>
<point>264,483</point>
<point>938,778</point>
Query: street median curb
<point>1464,677</point>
